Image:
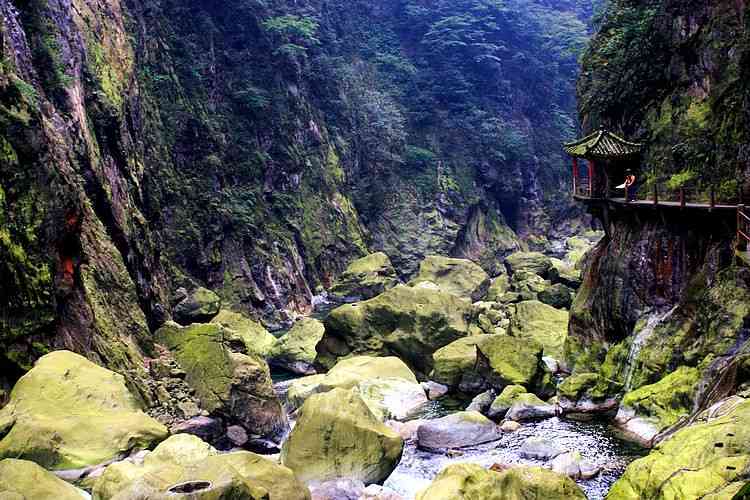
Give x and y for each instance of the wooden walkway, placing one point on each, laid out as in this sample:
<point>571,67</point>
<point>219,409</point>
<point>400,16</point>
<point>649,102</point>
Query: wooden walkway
<point>660,204</point>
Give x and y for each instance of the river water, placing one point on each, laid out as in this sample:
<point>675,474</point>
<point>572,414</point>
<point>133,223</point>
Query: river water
<point>593,440</point>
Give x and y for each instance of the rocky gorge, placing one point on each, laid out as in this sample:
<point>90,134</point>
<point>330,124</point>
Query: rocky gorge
<point>324,250</point>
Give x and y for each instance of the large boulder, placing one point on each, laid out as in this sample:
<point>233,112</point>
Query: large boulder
<point>584,395</point>
<point>458,276</point>
<point>235,386</point>
<point>474,482</point>
<point>539,448</point>
<point>337,436</point>
<point>200,306</point>
<point>707,459</point>
<point>557,295</point>
<point>295,351</point>
<point>458,430</point>
<point>69,413</point>
<point>504,360</point>
<point>502,403</point>
<point>542,323</point>
<point>499,287</point>
<point>387,385</point>
<point>186,460</point>
<point>452,361</point>
<point>667,401</point>
<point>528,406</point>
<point>247,336</point>
<point>365,278</point>
<point>24,480</point>
<point>408,322</point>
<point>533,262</point>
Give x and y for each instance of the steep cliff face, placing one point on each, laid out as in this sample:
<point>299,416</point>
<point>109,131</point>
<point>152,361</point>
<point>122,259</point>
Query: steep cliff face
<point>662,290</point>
<point>256,149</point>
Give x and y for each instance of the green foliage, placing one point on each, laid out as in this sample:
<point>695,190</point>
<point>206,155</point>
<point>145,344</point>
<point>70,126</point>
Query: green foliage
<point>295,34</point>
<point>679,180</point>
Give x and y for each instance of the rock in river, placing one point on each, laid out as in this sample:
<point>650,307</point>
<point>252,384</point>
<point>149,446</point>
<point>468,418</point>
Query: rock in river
<point>235,386</point>
<point>68,413</point>
<point>200,306</point>
<point>504,360</point>
<point>408,322</point>
<point>454,360</point>
<point>251,336</point>
<point>295,351</point>
<point>24,480</point>
<point>337,436</point>
<point>365,278</point>
<point>466,428</point>
<point>540,448</point>
<point>458,276</point>
<point>185,460</point>
<point>473,482</point>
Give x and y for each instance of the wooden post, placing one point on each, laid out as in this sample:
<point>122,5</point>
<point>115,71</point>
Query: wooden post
<point>682,197</point>
<point>656,194</point>
<point>713,197</point>
<point>575,176</point>
<point>591,179</point>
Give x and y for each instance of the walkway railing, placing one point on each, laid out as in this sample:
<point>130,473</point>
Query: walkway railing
<point>708,197</point>
<point>743,229</point>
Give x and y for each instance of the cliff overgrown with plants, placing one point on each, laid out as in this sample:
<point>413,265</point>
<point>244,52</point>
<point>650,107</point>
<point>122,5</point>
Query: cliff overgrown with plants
<point>256,148</point>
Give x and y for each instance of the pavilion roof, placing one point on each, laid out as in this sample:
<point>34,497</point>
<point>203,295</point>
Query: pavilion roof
<point>602,144</point>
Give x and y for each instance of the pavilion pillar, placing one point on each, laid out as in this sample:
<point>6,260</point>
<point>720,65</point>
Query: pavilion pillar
<point>592,170</point>
<point>575,176</point>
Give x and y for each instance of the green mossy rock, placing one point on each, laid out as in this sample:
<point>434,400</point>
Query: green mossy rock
<point>337,436</point>
<point>583,385</point>
<point>252,336</point>
<point>667,400</point>
<point>392,398</point>
<point>504,360</point>
<point>565,274</point>
<point>69,413</point>
<point>350,373</point>
<point>183,458</point>
<point>455,359</point>
<point>542,323</point>
<point>474,482</point>
<point>528,284</point>
<point>499,287</point>
<point>295,351</point>
<point>505,400</point>
<point>457,430</point>
<point>558,296</point>
<point>534,262</point>
<point>408,322</point>
<point>198,307</point>
<point>458,276</point>
<point>232,385</point>
<point>24,480</point>
<point>365,278</point>
<point>707,459</point>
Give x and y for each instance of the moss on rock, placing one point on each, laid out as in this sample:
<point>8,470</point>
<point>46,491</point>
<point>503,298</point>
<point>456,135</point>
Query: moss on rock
<point>408,322</point>
<point>295,351</point>
<point>320,448</point>
<point>668,400</point>
<point>68,413</point>
<point>455,359</point>
<point>24,480</point>
<point>458,276</point>
<point>504,360</point>
<point>252,335</point>
<point>542,323</point>
<point>365,278</point>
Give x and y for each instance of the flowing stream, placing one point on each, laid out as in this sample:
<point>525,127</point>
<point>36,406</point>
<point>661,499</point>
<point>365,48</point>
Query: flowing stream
<point>593,440</point>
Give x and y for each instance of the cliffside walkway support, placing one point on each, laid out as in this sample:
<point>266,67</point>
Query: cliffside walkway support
<point>743,234</point>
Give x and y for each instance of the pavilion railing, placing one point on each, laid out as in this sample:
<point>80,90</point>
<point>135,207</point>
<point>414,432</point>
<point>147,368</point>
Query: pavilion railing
<point>659,193</point>
<point>743,228</point>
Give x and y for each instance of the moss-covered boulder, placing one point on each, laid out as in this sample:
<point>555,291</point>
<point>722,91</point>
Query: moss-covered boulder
<point>474,482</point>
<point>707,459</point>
<point>534,262</point>
<point>247,335</point>
<point>337,436</point>
<point>668,400</point>
<point>565,274</point>
<point>501,404</point>
<point>235,386</point>
<point>557,295</point>
<point>454,360</point>
<point>408,322</point>
<point>528,285</point>
<point>295,351</point>
<point>185,459</point>
<point>68,413</point>
<point>365,278</point>
<point>458,430</point>
<point>542,323</point>
<point>386,384</point>
<point>587,394</point>
<point>504,360</point>
<point>200,306</point>
<point>528,406</point>
<point>24,480</point>
<point>499,287</point>
<point>458,276</point>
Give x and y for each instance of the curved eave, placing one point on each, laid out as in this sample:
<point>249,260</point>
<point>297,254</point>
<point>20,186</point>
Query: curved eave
<point>602,145</point>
